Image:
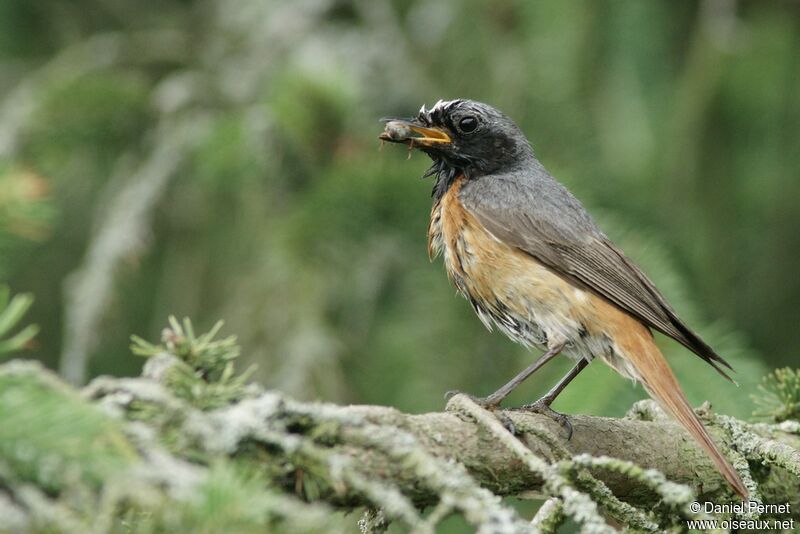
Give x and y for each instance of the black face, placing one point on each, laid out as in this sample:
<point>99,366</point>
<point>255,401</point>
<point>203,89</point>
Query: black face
<point>469,136</point>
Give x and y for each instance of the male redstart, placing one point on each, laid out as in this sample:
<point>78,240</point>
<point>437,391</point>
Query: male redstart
<point>531,261</point>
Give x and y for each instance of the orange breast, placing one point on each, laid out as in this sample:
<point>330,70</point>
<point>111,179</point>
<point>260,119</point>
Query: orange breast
<point>488,269</point>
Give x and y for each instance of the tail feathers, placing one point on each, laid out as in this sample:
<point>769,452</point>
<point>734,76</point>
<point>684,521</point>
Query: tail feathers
<point>659,381</point>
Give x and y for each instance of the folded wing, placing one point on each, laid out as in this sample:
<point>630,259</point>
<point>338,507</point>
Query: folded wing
<point>561,235</point>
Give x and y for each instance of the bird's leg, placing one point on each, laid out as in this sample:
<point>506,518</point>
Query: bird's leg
<point>494,400</point>
<point>542,406</point>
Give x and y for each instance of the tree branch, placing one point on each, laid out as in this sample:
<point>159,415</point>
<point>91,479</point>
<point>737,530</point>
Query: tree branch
<point>189,431</point>
<point>367,435</point>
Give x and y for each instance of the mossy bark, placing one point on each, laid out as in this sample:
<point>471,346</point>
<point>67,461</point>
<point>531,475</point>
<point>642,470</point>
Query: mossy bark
<point>143,449</point>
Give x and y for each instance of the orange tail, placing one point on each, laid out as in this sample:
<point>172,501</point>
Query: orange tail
<point>659,381</point>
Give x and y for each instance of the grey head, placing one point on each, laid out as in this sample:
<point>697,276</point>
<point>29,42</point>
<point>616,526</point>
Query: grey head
<point>463,137</point>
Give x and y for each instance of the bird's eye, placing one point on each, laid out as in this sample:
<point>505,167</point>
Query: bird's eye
<point>468,124</point>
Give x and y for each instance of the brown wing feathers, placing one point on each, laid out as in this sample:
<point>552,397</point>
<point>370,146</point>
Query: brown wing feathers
<point>605,269</point>
<point>599,266</point>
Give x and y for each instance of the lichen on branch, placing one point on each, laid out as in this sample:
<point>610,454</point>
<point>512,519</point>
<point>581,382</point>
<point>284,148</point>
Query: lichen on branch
<point>191,445</point>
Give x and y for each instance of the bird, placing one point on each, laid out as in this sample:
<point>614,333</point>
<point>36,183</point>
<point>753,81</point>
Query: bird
<point>533,263</point>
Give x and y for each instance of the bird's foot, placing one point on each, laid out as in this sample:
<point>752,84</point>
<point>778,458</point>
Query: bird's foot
<point>487,403</point>
<point>542,406</point>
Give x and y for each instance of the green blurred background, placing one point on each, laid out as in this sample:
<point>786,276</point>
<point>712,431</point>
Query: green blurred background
<point>219,159</point>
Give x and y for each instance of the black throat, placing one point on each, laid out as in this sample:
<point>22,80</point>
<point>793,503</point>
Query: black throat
<point>444,174</point>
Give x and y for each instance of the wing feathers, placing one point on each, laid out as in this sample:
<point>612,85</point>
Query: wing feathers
<point>588,258</point>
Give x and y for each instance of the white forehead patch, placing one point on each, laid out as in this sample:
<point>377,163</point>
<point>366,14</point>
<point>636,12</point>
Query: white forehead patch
<point>441,105</point>
<point>438,108</point>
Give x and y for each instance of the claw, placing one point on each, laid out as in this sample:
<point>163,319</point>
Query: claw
<point>542,407</point>
<point>506,422</point>
<point>487,403</point>
<point>449,394</point>
<point>484,402</point>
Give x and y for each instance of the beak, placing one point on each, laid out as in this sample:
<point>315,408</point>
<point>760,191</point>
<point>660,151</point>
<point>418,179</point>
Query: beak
<point>413,134</point>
